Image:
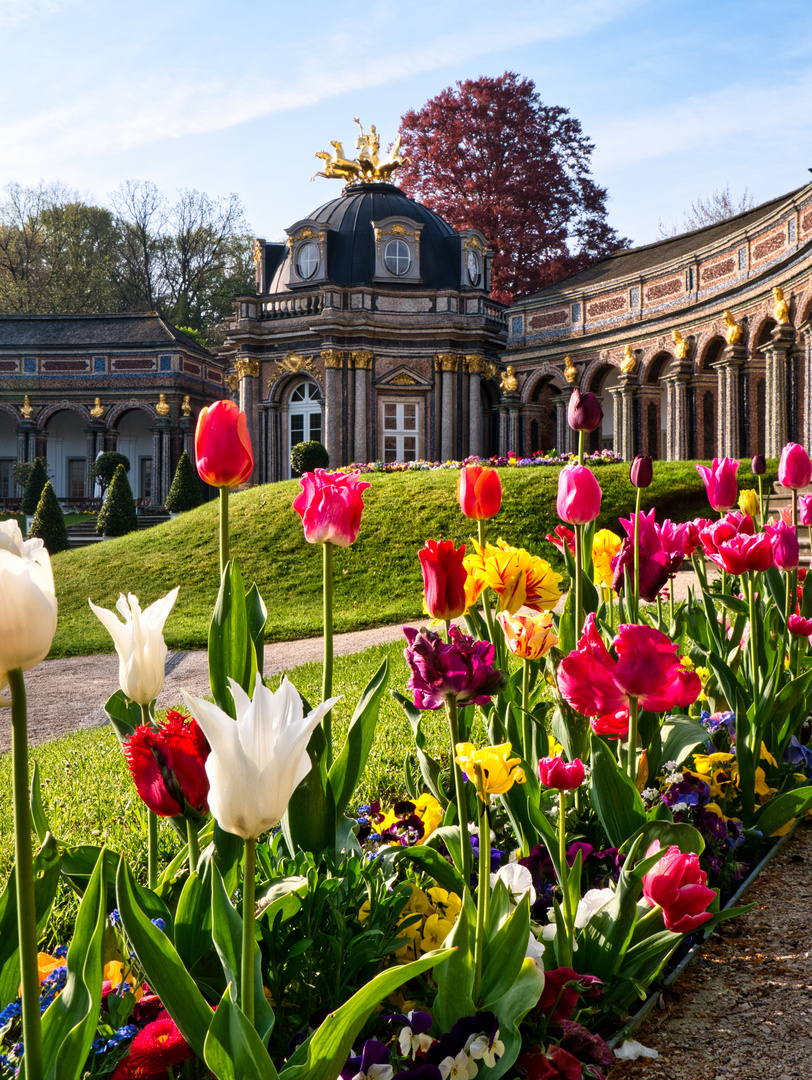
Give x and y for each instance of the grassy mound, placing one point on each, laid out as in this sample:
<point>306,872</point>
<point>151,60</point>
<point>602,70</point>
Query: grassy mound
<point>377,580</point>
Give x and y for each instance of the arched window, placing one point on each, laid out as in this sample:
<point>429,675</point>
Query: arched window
<point>304,414</point>
<point>397,257</point>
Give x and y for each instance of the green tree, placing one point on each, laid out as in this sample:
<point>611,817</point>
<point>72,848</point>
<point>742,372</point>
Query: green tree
<point>104,468</point>
<point>184,493</point>
<point>118,515</point>
<point>34,486</point>
<point>49,522</point>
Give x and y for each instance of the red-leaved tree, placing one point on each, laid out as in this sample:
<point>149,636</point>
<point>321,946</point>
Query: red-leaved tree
<point>491,155</point>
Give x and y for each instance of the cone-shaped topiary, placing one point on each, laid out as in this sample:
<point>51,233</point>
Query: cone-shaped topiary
<point>307,456</point>
<point>118,515</point>
<point>104,468</point>
<point>184,494</point>
<point>34,485</point>
<point>49,522</point>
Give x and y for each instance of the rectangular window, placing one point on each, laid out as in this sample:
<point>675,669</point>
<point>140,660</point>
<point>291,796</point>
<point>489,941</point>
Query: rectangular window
<point>400,426</point>
<point>145,477</point>
<point>6,483</point>
<point>791,230</point>
<point>76,478</point>
<point>516,325</point>
<point>576,313</point>
<point>634,296</point>
<point>166,363</point>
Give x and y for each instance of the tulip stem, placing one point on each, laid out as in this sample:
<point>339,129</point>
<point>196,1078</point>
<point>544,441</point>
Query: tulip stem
<point>564,875</point>
<point>579,585</point>
<point>224,552</point>
<point>459,790</point>
<point>760,504</point>
<point>486,604</point>
<point>787,612</point>
<point>248,902</point>
<point>327,673</point>
<point>751,601</point>
<point>631,756</point>
<point>637,555</point>
<point>483,888</point>
<point>581,446</point>
<point>193,845</point>
<point>152,825</point>
<point>24,873</point>
<point>527,723</point>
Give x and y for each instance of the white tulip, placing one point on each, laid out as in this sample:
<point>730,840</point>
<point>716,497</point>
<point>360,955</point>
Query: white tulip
<point>257,762</point>
<point>27,601</point>
<point>139,642</point>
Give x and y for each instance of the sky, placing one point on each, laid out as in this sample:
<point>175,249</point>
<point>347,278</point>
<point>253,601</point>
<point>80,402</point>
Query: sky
<point>681,98</point>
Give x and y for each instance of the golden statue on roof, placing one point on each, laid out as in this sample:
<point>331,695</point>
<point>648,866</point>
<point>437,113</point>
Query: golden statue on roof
<point>367,168</point>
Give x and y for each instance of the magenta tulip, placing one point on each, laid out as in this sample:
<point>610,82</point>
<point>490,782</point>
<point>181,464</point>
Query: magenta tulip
<point>742,553</point>
<point>554,772</point>
<point>679,887</point>
<point>794,468</point>
<point>720,483</point>
<point>805,510</point>
<point>443,579</point>
<point>330,506</point>
<point>579,495</point>
<point>799,626</point>
<point>642,471</point>
<point>786,553</point>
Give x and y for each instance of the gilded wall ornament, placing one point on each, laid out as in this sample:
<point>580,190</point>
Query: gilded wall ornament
<point>362,359</point>
<point>402,379</point>
<point>97,412</point>
<point>186,405</point>
<point>445,362</point>
<point>27,409</point>
<point>734,331</point>
<point>629,361</point>
<point>232,382</point>
<point>247,367</point>
<point>333,358</point>
<point>292,364</point>
<point>681,345</point>
<point>162,408</point>
<point>475,364</point>
<point>509,384</point>
<point>781,309</point>
<point>570,370</point>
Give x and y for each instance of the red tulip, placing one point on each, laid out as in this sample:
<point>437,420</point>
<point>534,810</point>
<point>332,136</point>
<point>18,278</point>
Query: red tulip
<point>786,553</point>
<point>561,537</point>
<point>742,553</point>
<point>692,540</point>
<point>479,491</point>
<point>720,483</point>
<point>794,468</point>
<point>443,579</point>
<point>223,451</point>
<point>612,725</point>
<point>579,495</point>
<point>330,506</point>
<point>554,772</point>
<point>168,766</point>
<point>679,887</point>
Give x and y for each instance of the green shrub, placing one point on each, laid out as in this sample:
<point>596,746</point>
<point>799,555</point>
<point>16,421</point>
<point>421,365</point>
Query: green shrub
<point>49,522</point>
<point>34,486</point>
<point>307,456</point>
<point>184,494</point>
<point>104,468</point>
<point>118,515</point>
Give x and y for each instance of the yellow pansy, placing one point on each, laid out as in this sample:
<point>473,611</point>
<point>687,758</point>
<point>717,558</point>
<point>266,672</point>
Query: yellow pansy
<point>435,931</point>
<point>430,813</point>
<point>447,904</point>
<point>492,767</point>
<point>518,578</point>
<point>418,903</point>
<point>605,546</point>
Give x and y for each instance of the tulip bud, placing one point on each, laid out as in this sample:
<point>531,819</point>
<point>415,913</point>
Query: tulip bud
<point>443,579</point>
<point>554,772</point>
<point>479,491</point>
<point>805,510</point>
<point>584,412</point>
<point>759,465</point>
<point>579,495</point>
<point>139,642</point>
<point>223,453</point>
<point>794,468</point>
<point>27,600</point>
<point>748,502</point>
<point>641,473</point>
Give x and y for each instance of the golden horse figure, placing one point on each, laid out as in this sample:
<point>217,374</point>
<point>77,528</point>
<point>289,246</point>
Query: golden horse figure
<point>367,168</point>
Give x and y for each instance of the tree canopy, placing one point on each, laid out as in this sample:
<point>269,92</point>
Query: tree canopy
<point>491,155</point>
<point>184,259</point>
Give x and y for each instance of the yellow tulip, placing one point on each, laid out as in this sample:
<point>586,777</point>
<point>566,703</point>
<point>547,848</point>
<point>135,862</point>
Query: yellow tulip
<point>518,578</point>
<point>605,545</point>
<point>492,767</point>
<point>528,636</point>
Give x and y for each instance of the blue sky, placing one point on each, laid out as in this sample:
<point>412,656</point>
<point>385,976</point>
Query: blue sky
<point>679,97</point>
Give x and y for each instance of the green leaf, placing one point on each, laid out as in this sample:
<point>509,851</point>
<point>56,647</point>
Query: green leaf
<point>432,862</point>
<point>350,763</point>
<point>783,808</point>
<point>504,955</point>
<point>455,977</point>
<point>164,969</point>
<point>193,918</point>
<point>614,797</point>
<point>227,935</point>
<point>309,823</point>
<point>430,769</point>
<point>685,836</point>
<point>46,879</point>
<point>69,1022</point>
<point>566,625</point>
<point>231,651</point>
<point>233,1050</point>
<point>680,735</point>
<point>323,1055</point>
<point>730,686</point>
<point>511,1009</point>
<point>123,714</point>
<point>256,615</point>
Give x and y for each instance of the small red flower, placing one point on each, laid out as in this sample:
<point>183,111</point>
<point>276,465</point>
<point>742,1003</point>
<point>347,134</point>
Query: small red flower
<point>443,578</point>
<point>168,765</point>
<point>155,1050</point>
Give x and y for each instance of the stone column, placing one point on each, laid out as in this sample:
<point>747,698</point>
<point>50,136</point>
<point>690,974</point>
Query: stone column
<point>187,433</point>
<point>806,412</point>
<point>156,495</point>
<point>677,431</point>
<point>27,438</point>
<point>728,397</point>
<point>445,364</point>
<point>248,372</point>
<point>167,470</point>
<point>362,362</point>
<point>94,445</point>
<point>626,436</point>
<point>509,413</point>
<point>563,432</point>
<point>474,365</point>
<point>775,355</point>
<point>333,412</point>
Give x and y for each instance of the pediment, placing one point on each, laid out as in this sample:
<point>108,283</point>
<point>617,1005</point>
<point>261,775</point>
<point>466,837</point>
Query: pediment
<point>403,377</point>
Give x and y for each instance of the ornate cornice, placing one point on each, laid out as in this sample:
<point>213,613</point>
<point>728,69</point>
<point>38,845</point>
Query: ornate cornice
<point>362,359</point>
<point>333,358</point>
<point>247,367</point>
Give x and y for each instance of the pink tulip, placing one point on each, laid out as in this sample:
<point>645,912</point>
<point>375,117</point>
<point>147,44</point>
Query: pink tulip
<point>794,468</point>
<point>742,553</point>
<point>579,495</point>
<point>613,725</point>
<point>479,491</point>
<point>720,483</point>
<point>554,772</point>
<point>805,510</point>
<point>679,887</point>
<point>799,626</point>
<point>786,553</point>
<point>330,506</point>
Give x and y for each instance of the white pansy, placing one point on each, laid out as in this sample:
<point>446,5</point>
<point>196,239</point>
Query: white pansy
<point>592,900</point>
<point>460,1067</point>
<point>486,1049</point>
<point>631,1050</point>
<point>27,601</point>
<point>255,764</point>
<point>517,879</point>
<point>139,642</point>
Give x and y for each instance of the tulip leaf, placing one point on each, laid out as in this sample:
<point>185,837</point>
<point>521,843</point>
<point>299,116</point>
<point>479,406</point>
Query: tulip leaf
<point>783,808</point>
<point>430,769</point>
<point>511,1009</point>
<point>614,797</point>
<point>46,879</point>
<point>257,616</point>
<point>227,934</point>
<point>504,955</point>
<point>455,976</point>
<point>322,1056</point>
<point>685,836</point>
<point>123,714</point>
<point>309,823</point>
<point>231,650</point>
<point>351,762</point>
<point>69,1022</point>
<point>431,862</point>
<point>164,969</point>
<point>193,917</point>
<point>233,1050</point>
<point>730,686</point>
<point>680,735</point>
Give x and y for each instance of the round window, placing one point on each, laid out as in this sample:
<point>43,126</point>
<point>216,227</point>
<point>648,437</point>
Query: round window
<point>307,260</point>
<point>397,257</point>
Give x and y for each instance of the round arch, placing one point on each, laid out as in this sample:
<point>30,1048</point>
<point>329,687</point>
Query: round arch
<point>131,426</point>
<point>9,423</point>
<point>301,405</point>
<point>539,396</point>
<point>64,427</point>
<point>654,406</point>
<point>599,379</point>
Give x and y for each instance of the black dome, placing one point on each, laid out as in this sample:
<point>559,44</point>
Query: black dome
<point>351,257</point>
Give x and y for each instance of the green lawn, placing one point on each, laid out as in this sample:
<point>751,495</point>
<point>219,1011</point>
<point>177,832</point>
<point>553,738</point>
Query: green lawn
<point>377,579</point>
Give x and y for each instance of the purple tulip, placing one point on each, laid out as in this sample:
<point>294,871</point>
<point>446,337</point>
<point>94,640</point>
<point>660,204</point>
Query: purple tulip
<point>641,473</point>
<point>462,668</point>
<point>584,411</point>
<point>758,465</point>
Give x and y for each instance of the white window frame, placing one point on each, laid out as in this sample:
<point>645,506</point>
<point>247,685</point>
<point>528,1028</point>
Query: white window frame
<point>308,407</point>
<point>401,433</point>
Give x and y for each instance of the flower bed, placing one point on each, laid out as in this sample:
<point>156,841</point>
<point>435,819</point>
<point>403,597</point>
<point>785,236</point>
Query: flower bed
<point>511,909</point>
<point>538,457</point>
